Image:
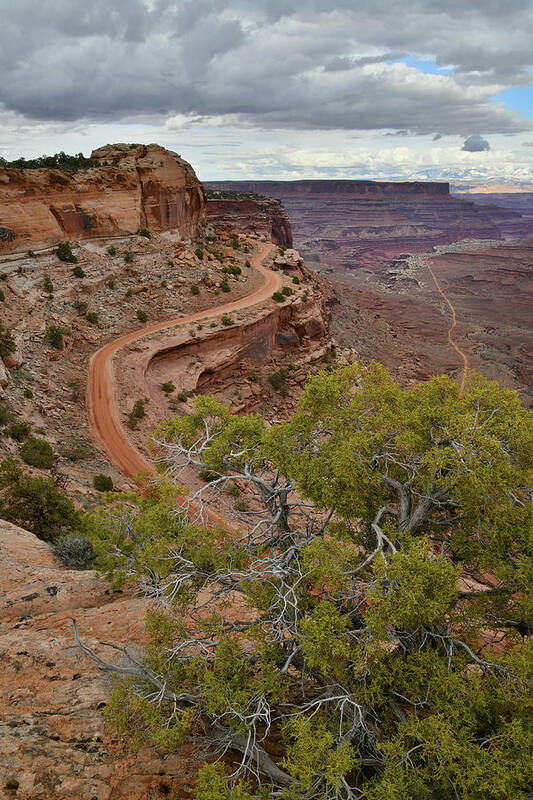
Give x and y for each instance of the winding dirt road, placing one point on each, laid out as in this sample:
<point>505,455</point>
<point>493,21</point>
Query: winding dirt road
<point>104,412</point>
<point>461,353</point>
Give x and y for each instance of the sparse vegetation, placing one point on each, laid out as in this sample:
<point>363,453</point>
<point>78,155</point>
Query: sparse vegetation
<point>111,284</point>
<point>62,161</point>
<point>7,343</point>
<point>287,291</point>
<point>37,453</point>
<point>168,387</point>
<point>80,306</point>
<point>199,253</point>
<point>145,232</point>
<point>296,280</point>
<point>278,379</point>
<point>278,297</point>
<point>64,253</point>
<point>112,250</point>
<point>138,412</point>
<point>75,551</point>
<point>48,286</point>
<point>28,394</point>
<point>224,285</point>
<point>92,317</point>
<point>182,397</point>
<point>128,257</point>
<point>2,296</point>
<point>19,431</point>
<point>227,321</point>
<point>232,269</point>
<point>78,272</point>
<point>195,289</point>
<point>142,316</point>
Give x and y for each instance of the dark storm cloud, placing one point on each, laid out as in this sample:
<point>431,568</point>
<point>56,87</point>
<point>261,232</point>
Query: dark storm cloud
<point>271,63</point>
<point>475,144</point>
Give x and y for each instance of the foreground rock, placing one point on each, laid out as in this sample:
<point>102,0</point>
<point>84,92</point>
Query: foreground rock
<point>53,739</point>
<point>137,186</point>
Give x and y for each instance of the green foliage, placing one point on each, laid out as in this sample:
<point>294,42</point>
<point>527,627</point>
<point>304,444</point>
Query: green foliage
<point>168,387</point>
<point>48,286</point>
<point>195,289</point>
<point>287,291</point>
<point>128,257</point>
<point>278,379</point>
<point>64,252</point>
<point>142,316</point>
<point>145,232</point>
<point>37,453</point>
<point>224,285</point>
<point>371,608</point>
<point>278,297</point>
<point>2,296</point>
<point>247,263</point>
<point>54,336</point>
<point>112,250</point>
<point>111,284</point>
<point>80,306</point>
<point>61,160</point>
<point>7,343</point>
<point>28,394</point>
<point>182,397</point>
<point>199,253</point>
<point>232,269</point>
<point>34,503</point>
<point>227,321</point>
<point>138,412</point>
<point>92,317</point>
<point>235,243</point>
<point>78,272</point>
<point>31,254</point>
<point>19,431</point>
<point>296,280</point>
<point>103,483</point>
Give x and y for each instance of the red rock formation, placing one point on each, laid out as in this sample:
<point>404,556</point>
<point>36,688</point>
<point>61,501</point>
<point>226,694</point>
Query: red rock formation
<point>251,214</point>
<point>145,186</point>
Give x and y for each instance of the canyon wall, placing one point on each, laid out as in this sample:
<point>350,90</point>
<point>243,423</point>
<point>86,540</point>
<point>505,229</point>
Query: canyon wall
<point>137,186</point>
<point>250,214</point>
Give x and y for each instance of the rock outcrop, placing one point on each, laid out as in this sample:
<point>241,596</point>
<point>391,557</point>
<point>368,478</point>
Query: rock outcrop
<point>137,186</point>
<point>250,213</point>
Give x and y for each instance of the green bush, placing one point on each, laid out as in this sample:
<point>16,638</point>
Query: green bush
<point>195,289</point>
<point>37,453</point>
<point>77,451</point>
<point>227,321</point>
<point>80,306</point>
<point>78,272</point>
<point>31,254</point>
<point>199,253</point>
<point>278,379</point>
<point>92,317</point>
<point>224,285</point>
<point>28,394</point>
<point>48,286</point>
<point>2,296</point>
<point>247,263</point>
<point>142,316</point>
<point>64,253</point>
<point>278,297</point>
<point>138,412</point>
<point>6,415</point>
<point>296,280</point>
<point>7,343</point>
<point>128,257</point>
<point>232,269</point>
<point>75,551</point>
<point>103,483</point>
<point>19,431</point>
<point>111,284</point>
<point>129,292</point>
<point>235,243</point>
<point>112,251</point>
<point>35,503</point>
<point>182,396</point>
<point>287,291</point>
<point>168,387</point>
<point>54,336</point>
<point>145,232</point>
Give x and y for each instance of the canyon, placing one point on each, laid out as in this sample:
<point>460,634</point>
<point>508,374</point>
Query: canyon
<point>136,187</point>
<point>249,213</point>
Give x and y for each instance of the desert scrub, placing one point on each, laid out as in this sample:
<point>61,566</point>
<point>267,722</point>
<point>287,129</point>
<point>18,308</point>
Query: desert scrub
<point>182,397</point>
<point>145,232</point>
<point>296,280</point>
<point>287,291</point>
<point>111,284</point>
<point>19,431</point>
<point>28,394</point>
<point>128,257</point>
<point>278,297</point>
<point>78,272</point>
<point>227,321</point>
<point>199,253</point>
<point>138,412</point>
<point>37,453</point>
<point>232,269</point>
<point>103,483</point>
<point>142,316</point>
<point>7,343</point>
<point>54,336</point>
<point>92,317</point>
<point>278,379</point>
<point>112,251</point>
<point>195,289</point>
<point>64,253</point>
<point>78,450</point>
<point>224,285</point>
<point>80,306</point>
<point>48,286</point>
<point>75,551</point>
<point>168,387</point>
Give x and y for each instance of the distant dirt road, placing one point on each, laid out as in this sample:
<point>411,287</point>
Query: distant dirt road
<point>104,412</point>
<point>463,356</point>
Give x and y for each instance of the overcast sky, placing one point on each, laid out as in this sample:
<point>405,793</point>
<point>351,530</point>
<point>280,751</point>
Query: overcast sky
<point>277,89</point>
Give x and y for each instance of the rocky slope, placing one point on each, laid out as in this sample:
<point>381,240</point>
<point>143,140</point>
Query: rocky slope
<point>248,213</point>
<point>140,187</point>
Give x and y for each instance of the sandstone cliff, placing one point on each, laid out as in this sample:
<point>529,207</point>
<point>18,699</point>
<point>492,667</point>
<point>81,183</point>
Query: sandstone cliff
<point>266,215</point>
<point>139,186</point>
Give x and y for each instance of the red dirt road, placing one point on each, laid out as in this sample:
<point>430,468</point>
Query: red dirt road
<point>451,340</point>
<point>104,413</point>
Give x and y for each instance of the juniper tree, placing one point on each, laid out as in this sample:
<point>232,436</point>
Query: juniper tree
<point>361,629</point>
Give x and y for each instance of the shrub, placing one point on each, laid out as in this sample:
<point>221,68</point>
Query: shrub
<point>182,396</point>
<point>80,306</point>
<point>235,243</point>
<point>111,284</point>
<point>227,321</point>
<point>199,253</point>
<point>145,232</point>
<point>296,280</point>
<point>128,257</point>
<point>54,336</point>
<point>31,254</point>
<point>75,551</point>
<point>195,289</point>
<point>92,317</point>
<point>224,285</point>
<point>287,291</point>
<point>247,263</point>
<point>168,387</point>
<point>64,253</point>
<point>163,284</point>
<point>19,431</point>
<point>77,451</point>
<point>7,343</point>
<point>78,272</point>
<point>37,453</point>
<point>28,394</point>
<point>137,413</point>
<point>278,297</point>
<point>232,269</point>
<point>103,483</point>
<point>129,292</point>
<point>6,415</point>
<point>112,251</point>
<point>2,295</point>
<point>142,316</point>
<point>277,379</point>
<point>48,286</point>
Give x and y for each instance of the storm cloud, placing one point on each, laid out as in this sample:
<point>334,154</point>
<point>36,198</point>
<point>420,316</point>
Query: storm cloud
<point>268,63</point>
<point>475,144</point>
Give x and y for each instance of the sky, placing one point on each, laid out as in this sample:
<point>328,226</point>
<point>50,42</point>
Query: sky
<point>428,89</point>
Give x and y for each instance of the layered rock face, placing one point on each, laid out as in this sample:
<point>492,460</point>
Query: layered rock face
<point>137,186</point>
<point>265,215</point>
